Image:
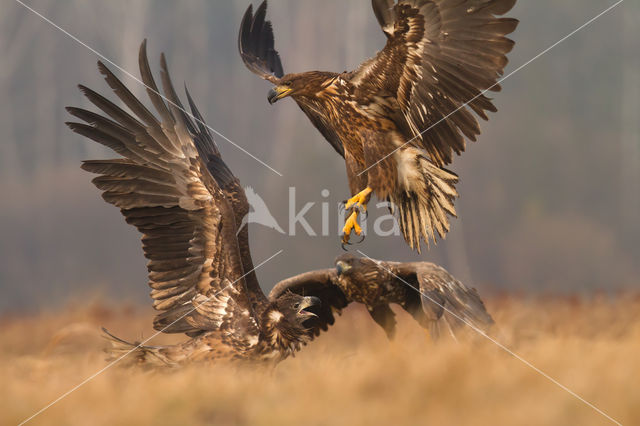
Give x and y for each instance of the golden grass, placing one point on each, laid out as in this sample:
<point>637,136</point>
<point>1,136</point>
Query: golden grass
<point>350,376</point>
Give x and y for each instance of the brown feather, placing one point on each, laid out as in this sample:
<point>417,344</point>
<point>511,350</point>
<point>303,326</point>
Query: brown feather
<point>423,91</point>
<point>173,186</point>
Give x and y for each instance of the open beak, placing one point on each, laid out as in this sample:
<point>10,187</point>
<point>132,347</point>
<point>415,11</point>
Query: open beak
<point>308,302</point>
<point>278,93</point>
<point>342,267</point>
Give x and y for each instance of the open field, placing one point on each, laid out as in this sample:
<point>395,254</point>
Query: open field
<point>349,376</point>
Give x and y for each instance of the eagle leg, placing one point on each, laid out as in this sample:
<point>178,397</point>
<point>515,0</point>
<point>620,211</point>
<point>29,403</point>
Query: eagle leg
<point>351,225</point>
<point>359,200</point>
<point>357,204</point>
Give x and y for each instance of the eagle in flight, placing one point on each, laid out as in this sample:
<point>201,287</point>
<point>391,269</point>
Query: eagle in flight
<point>399,117</point>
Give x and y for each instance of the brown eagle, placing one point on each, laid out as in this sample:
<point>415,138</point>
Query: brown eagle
<point>436,300</point>
<point>399,117</point>
<point>173,186</point>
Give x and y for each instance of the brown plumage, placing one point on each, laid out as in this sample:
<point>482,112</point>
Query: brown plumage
<point>173,186</point>
<point>436,300</point>
<point>398,118</point>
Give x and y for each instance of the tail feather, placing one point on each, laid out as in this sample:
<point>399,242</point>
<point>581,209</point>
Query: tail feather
<point>426,204</point>
<point>136,353</point>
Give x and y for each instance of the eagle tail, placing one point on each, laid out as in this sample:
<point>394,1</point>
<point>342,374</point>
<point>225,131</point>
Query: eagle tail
<point>136,353</point>
<point>425,201</point>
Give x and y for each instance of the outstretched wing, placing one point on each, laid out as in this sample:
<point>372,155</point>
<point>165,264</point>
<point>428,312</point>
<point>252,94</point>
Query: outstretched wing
<point>448,305</point>
<point>234,194</point>
<point>439,56</point>
<point>321,284</point>
<point>256,45</point>
<point>163,188</point>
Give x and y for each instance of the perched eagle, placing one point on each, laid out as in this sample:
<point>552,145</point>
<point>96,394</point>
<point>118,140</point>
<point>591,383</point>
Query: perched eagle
<point>436,300</point>
<point>173,186</point>
<point>399,117</point>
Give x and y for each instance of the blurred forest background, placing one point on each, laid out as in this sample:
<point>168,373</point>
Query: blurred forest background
<point>550,195</point>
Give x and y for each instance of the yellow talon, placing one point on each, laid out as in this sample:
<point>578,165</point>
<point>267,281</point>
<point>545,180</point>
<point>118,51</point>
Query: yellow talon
<point>356,203</point>
<point>351,225</point>
<point>360,199</point>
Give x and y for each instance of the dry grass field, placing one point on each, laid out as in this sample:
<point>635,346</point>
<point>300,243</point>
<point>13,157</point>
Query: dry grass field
<point>350,376</point>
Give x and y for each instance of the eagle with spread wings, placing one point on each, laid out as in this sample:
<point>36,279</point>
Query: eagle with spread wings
<point>171,183</point>
<point>173,186</point>
<point>432,296</point>
<point>399,117</point>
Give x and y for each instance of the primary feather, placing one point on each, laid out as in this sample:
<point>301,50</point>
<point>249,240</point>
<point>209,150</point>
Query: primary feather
<point>173,186</point>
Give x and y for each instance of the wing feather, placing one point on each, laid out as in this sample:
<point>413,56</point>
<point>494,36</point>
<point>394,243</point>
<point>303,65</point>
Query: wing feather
<point>446,302</point>
<point>440,55</point>
<point>319,120</point>
<point>257,46</point>
<point>385,14</point>
<point>164,188</point>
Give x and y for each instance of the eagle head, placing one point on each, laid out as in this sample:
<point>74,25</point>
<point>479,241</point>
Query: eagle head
<point>291,310</point>
<point>308,84</point>
<point>346,263</point>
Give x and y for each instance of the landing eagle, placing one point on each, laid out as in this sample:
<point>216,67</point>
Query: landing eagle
<point>399,117</point>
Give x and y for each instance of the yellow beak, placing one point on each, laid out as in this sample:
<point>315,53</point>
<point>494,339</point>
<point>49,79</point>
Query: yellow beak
<point>278,93</point>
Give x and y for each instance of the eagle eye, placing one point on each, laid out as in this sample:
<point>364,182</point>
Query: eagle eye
<point>288,83</point>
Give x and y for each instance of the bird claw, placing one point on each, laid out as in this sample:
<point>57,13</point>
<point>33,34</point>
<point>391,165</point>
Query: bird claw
<point>346,242</point>
<point>351,225</point>
<point>356,205</point>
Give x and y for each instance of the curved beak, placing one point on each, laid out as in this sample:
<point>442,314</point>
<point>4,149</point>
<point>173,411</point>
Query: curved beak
<point>342,267</point>
<point>278,93</point>
<point>308,302</point>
